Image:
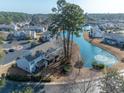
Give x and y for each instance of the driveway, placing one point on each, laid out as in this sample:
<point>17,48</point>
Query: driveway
<point>12,56</point>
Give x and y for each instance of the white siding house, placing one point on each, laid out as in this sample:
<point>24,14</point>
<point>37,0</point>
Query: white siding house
<point>21,35</point>
<point>34,61</point>
<point>29,63</point>
<point>114,39</point>
<point>34,28</point>
<point>31,34</point>
<point>95,32</point>
<point>87,28</point>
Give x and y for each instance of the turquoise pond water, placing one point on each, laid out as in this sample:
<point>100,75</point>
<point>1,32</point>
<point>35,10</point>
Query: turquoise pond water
<point>91,53</point>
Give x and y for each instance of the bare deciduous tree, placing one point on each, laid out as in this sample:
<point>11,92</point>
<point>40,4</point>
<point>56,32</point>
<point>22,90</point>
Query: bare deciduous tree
<point>87,85</point>
<point>112,82</point>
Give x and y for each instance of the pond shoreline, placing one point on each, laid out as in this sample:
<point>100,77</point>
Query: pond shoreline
<point>113,50</point>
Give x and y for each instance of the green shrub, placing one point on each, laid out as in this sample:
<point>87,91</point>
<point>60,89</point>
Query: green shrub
<point>2,53</point>
<point>34,44</point>
<point>66,68</point>
<point>3,75</point>
<point>2,82</point>
<point>29,38</point>
<point>25,90</point>
<point>46,80</point>
<point>1,42</point>
<point>19,78</point>
<point>97,66</point>
<point>13,65</point>
<point>94,64</point>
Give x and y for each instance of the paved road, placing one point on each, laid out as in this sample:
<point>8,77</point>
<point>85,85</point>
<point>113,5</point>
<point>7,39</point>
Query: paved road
<point>10,56</point>
<point>41,88</point>
<point>72,88</point>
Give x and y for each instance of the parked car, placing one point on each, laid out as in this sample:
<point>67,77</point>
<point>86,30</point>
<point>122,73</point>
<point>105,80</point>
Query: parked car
<point>11,50</point>
<point>9,42</point>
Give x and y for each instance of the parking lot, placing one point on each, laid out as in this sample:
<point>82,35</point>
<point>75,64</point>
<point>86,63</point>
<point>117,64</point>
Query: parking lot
<point>14,53</point>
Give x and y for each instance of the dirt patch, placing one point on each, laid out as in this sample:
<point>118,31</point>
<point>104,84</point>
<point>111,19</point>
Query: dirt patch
<point>8,69</point>
<point>77,73</point>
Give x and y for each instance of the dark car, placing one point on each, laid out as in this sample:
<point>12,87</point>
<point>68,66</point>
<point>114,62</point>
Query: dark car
<point>9,42</point>
<point>11,50</point>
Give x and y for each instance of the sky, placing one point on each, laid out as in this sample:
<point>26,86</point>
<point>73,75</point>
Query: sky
<point>44,6</point>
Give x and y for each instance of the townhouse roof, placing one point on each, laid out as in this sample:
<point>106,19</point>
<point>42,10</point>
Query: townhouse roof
<point>34,56</point>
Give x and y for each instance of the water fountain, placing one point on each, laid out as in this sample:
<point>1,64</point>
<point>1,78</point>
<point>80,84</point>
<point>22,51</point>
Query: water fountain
<point>104,59</point>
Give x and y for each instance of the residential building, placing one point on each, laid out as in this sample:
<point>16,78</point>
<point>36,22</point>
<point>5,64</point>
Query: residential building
<point>87,28</point>
<point>34,61</point>
<point>95,32</point>
<point>21,35</point>
<point>34,28</point>
<point>31,63</point>
<point>4,27</point>
<point>46,36</point>
<point>31,34</point>
<point>116,39</point>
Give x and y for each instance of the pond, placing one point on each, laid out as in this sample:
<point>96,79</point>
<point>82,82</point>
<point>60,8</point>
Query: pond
<point>91,53</point>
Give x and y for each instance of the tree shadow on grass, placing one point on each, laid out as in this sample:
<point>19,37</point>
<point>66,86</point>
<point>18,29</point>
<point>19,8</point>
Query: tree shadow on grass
<point>14,70</point>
